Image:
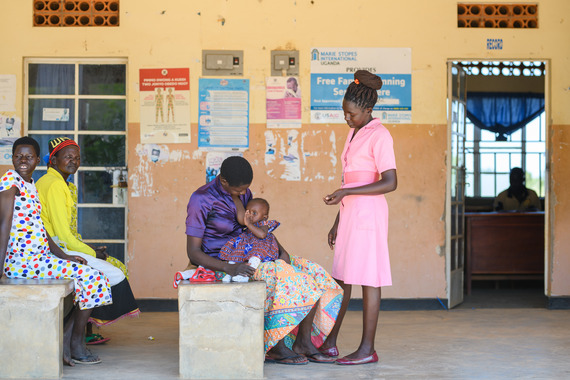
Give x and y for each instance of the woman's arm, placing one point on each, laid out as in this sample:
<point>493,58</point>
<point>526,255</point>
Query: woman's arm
<point>283,254</point>
<point>388,183</point>
<point>198,257</point>
<point>6,215</point>
<point>57,251</point>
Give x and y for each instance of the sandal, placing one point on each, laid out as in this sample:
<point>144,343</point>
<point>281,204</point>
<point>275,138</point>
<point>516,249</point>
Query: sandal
<point>203,275</point>
<point>96,339</point>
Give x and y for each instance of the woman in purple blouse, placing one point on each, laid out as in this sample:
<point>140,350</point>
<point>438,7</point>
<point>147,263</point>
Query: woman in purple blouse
<point>296,289</point>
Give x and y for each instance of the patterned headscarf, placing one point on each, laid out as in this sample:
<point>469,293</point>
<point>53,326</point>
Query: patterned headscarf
<point>57,144</point>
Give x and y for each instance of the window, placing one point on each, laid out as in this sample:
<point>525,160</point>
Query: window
<point>85,100</point>
<point>488,162</point>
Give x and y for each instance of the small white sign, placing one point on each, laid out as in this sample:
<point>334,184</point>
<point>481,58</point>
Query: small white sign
<point>55,114</point>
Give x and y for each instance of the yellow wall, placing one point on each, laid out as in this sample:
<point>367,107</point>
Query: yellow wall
<point>172,33</point>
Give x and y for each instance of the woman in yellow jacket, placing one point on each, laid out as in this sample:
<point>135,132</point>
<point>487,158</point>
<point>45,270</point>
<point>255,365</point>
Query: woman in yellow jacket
<point>59,215</point>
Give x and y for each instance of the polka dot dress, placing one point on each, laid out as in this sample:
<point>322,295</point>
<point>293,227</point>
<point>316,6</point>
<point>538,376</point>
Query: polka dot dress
<point>28,254</point>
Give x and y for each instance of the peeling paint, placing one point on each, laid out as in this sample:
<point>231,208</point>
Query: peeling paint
<point>333,150</point>
<point>197,154</point>
<point>141,179</point>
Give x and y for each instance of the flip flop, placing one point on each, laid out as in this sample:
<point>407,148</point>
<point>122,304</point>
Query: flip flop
<point>313,358</point>
<point>96,339</point>
<point>269,359</point>
<point>87,359</point>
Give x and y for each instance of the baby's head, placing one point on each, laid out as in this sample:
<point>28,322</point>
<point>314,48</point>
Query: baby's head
<point>259,208</point>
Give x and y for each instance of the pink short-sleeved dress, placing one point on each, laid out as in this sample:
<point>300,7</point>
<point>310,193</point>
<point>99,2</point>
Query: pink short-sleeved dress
<point>361,248</point>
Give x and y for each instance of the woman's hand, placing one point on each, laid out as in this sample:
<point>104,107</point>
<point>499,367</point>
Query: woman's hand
<point>336,197</point>
<point>77,259</point>
<point>242,269</point>
<point>333,231</point>
<point>101,253</point>
<point>332,235</point>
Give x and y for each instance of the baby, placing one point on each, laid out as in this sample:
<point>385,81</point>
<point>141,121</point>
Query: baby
<point>256,244</point>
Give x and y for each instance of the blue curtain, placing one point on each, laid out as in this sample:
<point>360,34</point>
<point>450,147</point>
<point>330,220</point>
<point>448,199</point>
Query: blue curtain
<point>503,112</point>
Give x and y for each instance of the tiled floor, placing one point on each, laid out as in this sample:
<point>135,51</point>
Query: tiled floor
<point>469,343</point>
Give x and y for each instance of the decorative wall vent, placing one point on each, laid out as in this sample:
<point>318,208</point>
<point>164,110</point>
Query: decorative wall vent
<point>76,13</point>
<point>481,15</point>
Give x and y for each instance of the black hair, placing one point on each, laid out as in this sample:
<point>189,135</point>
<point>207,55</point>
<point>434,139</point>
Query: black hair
<point>237,171</point>
<point>260,200</point>
<point>26,140</point>
<point>362,91</point>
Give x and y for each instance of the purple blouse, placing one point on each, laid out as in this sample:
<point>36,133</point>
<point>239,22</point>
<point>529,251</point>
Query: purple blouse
<point>212,216</point>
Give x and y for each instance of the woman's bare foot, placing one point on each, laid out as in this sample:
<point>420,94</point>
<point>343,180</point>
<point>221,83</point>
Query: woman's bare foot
<point>308,349</point>
<point>281,354</point>
<point>67,357</point>
<point>360,354</point>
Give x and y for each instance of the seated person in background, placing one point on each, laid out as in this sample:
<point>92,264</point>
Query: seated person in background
<point>59,215</point>
<point>29,252</point>
<point>517,197</point>
<point>256,244</point>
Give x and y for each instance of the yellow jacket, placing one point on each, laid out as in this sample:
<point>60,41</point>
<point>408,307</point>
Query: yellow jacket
<point>59,214</point>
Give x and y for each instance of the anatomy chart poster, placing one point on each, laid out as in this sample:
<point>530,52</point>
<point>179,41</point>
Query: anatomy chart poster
<point>165,105</point>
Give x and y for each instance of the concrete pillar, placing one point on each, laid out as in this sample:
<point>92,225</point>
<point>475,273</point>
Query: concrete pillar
<point>31,327</point>
<point>221,330</point>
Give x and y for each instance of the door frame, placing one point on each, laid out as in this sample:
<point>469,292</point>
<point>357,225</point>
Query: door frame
<point>76,133</point>
<point>548,238</point>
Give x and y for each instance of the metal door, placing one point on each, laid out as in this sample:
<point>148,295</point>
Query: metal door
<point>85,99</point>
<point>455,194</point>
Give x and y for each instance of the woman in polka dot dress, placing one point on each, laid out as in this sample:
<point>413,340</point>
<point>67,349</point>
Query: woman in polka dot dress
<point>30,252</point>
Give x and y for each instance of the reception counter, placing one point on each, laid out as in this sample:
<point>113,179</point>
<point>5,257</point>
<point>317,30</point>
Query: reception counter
<point>504,246</point>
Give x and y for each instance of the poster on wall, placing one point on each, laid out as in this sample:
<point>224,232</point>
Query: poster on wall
<point>332,70</point>
<point>283,103</point>
<point>165,105</point>
<point>223,119</point>
<point>214,162</point>
<point>282,155</point>
<point>10,127</point>
<point>7,92</point>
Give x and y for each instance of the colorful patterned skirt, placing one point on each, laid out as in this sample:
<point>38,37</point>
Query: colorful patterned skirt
<point>292,291</point>
<point>91,287</point>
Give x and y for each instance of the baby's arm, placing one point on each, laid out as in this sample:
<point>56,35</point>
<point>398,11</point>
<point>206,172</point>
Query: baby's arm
<point>258,232</point>
<point>240,209</point>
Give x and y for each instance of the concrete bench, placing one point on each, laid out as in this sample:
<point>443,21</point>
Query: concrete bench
<point>221,330</point>
<point>31,327</point>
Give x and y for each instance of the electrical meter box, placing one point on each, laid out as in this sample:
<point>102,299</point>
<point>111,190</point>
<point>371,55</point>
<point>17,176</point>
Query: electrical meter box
<point>222,62</point>
<point>287,60</point>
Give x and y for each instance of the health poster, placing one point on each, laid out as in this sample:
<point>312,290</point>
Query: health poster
<point>332,70</point>
<point>223,121</point>
<point>165,105</point>
<point>10,131</point>
<point>283,103</point>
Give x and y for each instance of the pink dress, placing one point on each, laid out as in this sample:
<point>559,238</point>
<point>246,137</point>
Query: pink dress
<point>361,248</point>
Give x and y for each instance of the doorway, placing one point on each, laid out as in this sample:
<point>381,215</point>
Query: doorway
<point>85,100</point>
<point>504,125</point>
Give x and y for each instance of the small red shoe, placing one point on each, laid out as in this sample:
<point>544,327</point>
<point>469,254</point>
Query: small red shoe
<point>203,275</point>
<point>369,359</point>
<point>332,352</point>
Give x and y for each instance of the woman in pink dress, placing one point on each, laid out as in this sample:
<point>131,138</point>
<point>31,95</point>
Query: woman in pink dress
<point>359,234</point>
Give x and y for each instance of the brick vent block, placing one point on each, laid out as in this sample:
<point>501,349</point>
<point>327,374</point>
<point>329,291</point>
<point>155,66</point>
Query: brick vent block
<point>76,13</point>
<point>483,15</point>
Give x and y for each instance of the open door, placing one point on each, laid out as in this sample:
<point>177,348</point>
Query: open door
<point>455,192</point>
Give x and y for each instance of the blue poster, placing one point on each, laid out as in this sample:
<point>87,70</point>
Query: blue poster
<point>223,117</point>
<point>332,70</point>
